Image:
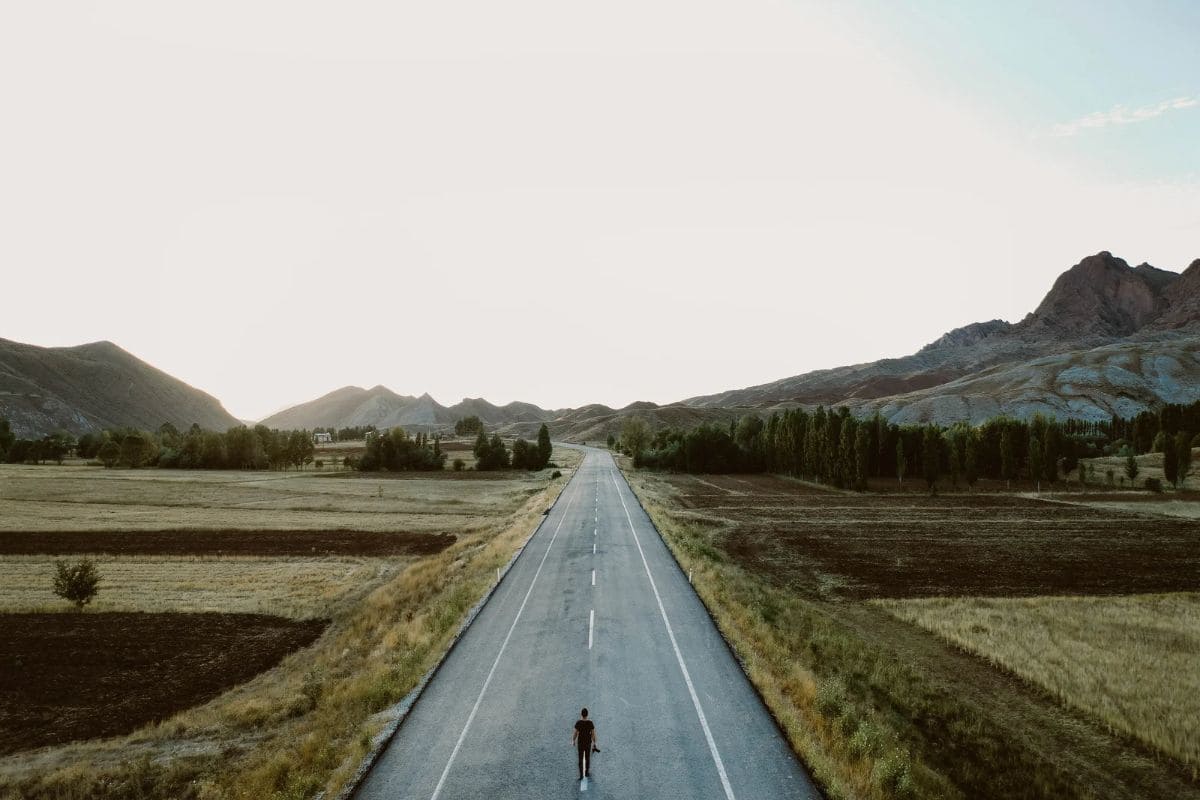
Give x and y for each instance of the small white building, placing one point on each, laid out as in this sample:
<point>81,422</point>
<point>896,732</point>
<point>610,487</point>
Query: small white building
<point>322,438</point>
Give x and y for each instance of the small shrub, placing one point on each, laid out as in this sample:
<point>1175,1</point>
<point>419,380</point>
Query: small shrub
<point>77,584</point>
<point>868,740</point>
<point>459,465</point>
<point>1153,485</point>
<point>319,464</point>
<point>893,774</point>
<point>831,698</point>
<point>555,474</point>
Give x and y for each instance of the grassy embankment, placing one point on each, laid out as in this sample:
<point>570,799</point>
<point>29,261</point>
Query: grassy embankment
<point>303,726</point>
<point>877,707</point>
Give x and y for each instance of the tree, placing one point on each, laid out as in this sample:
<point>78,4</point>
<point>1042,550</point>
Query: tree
<point>1051,451</point>
<point>1171,463</point>
<point>1131,466</point>
<point>1183,449</point>
<point>862,457</point>
<point>6,437</point>
<point>468,425</point>
<point>635,434</point>
<point>1035,460</point>
<point>77,584</point>
<point>970,458</point>
<point>544,447</point>
<point>524,455</point>
<point>930,455</point>
<point>1008,461</point>
<point>109,453</point>
<point>901,461</point>
<point>55,446</point>
<point>612,441</point>
<point>133,450</point>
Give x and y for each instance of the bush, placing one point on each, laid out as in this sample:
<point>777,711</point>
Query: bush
<point>77,584</point>
<point>831,698</point>
<point>867,740</point>
<point>556,474</point>
<point>893,774</point>
<point>459,465</point>
<point>1153,485</point>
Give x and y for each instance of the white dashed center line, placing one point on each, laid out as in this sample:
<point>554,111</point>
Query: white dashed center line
<point>591,626</point>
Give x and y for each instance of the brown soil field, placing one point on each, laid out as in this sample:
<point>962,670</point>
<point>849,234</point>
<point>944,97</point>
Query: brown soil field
<point>73,676</point>
<point>831,544</point>
<point>882,709</point>
<point>224,543</point>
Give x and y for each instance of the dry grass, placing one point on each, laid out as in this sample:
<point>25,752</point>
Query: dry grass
<point>303,726</point>
<point>1133,662</point>
<point>288,587</point>
<point>92,498</point>
<point>1150,465</point>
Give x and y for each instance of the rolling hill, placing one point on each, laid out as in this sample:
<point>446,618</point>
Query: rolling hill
<point>353,406</point>
<point>94,386</point>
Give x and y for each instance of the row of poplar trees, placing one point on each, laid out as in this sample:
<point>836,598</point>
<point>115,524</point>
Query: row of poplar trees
<point>832,446</point>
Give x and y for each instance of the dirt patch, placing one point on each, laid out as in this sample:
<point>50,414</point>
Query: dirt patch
<point>224,543</point>
<point>831,544</point>
<point>72,676</point>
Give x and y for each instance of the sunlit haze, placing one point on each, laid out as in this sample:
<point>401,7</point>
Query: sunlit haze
<point>569,203</point>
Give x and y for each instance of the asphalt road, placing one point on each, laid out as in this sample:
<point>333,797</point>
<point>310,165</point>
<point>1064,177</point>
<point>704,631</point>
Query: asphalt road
<point>594,613</point>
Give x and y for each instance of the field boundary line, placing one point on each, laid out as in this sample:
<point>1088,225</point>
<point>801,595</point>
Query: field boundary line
<point>402,709</point>
<point>728,644</point>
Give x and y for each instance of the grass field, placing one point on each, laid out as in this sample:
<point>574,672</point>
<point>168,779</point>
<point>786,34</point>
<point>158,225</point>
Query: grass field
<point>1133,662</point>
<point>288,587</point>
<point>53,498</point>
<point>301,726</point>
<point>880,708</point>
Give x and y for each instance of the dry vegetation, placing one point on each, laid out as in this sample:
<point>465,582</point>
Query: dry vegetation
<point>302,726</point>
<point>52,498</point>
<point>1130,661</point>
<point>288,587</point>
<point>879,708</point>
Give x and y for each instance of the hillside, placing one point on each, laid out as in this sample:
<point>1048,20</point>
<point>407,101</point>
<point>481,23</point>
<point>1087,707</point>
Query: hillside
<point>353,406</point>
<point>94,386</point>
<point>1123,378</point>
<point>1100,301</point>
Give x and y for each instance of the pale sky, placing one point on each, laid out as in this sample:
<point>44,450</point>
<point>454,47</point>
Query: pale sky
<point>565,202</point>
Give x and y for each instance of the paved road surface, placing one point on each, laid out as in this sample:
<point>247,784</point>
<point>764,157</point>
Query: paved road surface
<point>675,715</point>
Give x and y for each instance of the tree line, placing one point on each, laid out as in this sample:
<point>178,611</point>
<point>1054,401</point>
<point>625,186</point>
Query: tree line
<point>237,448</point>
<point>491,453</point>
<point>834,447</point>
<point>264,448</point>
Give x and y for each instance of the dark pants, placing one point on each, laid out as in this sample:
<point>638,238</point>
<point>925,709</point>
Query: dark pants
<point>585,758</point>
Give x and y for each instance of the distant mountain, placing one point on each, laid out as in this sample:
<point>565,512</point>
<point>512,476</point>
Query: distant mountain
<point>352,406</point>
<point>1100,301</point>
<point>95,386</point>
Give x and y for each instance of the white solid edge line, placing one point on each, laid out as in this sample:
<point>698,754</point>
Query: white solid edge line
<point>471,718</point>
<point>591,626</point>
<point>687,678</point>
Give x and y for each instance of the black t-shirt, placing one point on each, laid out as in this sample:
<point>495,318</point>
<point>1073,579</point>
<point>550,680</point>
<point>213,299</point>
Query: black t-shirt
<point>584,728</point>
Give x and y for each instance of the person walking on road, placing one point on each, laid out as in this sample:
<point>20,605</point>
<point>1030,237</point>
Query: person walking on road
<point>585,741</point>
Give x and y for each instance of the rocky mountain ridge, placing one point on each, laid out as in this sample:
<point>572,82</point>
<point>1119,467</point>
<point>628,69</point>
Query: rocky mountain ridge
<point>1100,301</point>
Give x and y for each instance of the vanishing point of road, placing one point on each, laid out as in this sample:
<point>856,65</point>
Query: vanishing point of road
<point>594,613</point>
